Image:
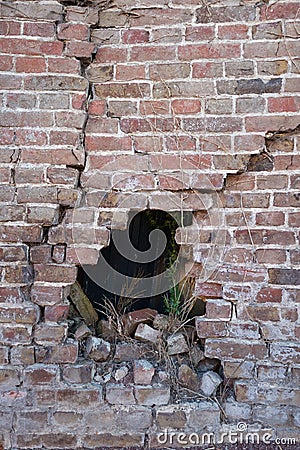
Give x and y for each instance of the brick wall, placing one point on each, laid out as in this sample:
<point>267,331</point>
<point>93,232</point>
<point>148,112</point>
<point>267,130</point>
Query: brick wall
<point>117,106</point>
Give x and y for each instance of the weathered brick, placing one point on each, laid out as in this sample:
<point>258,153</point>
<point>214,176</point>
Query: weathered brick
<point>22,355</point>
<point>31,65</point>
<point>81,373</point>
<point>169,417</point>
<point>152,395</point>
<point>51,11</point>
<point>69,31</point>
<point>58,354</point>
<point>135,36</point>
<point>42,29</point>
<point>31,47</point>
<point>120,395</point>
<point>46,333</point>
<point>234,349</point>
<point>39,374</point>
<point>226,14</point>
<point>208,51</point>
<point>284,276</point>
<point>122,90</point>
<point>55,83</point>
<point>170,71</point>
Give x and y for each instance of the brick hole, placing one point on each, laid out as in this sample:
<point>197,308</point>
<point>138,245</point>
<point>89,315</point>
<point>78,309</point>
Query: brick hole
<point>140,226</point>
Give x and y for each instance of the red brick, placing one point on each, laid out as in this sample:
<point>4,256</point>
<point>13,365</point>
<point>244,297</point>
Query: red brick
<point>11,294</point>
<point>186,106</point>
<point>290,314</point>
<point>209,290</point>
<point>200,33</point>
<point>40,375</point>
<point>287,199</point>
<point>112,143</point>
<point>235,349</point>
<point>242,182</point>
<point>177,162</point>
<point>122,90</point>
<point>240,275</point>
<point>270,123</point>
<point>63,138</point>
<point>97,107</point>
<point>10,28</point>
<point>40,254</point>
<point>209,51</point>
<point>270,181</point>
<point>135,36</point>
<point>294,219</point>
<point>79,101</point>
<point>24,233</point>
<point>218,310</point>
<point>153,107</point>
<point>111,54</point>
<point>210,328</point>
<point>285,162</point>
<point>79,49</point>
<point>207,69</point>
<point>72,31</point>
<point>126,72</point>
<point>269,295</point>
<point>55,273</point>
<point>31,137</point>
<point>238,256</point>
<point>232,32</point>
<point>169,71</point>
<point>63,65</point>
<point>153,53</point>
<point>30,47</point>
<point>42,29</point>
<point>12,334</point>
<point>46,295</point>
<point>101,125</point>
<point>47,334</point>
<point>147,144</point>
<point>284,104</point>
<point>269,255</point>
<point>280,11</point>
<point>56,313</point>
<point>265,237</point>
<point>270,218</point>
<point>6,62</point>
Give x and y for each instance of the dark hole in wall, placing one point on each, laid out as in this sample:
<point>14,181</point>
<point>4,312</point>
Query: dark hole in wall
<point>140,227</point>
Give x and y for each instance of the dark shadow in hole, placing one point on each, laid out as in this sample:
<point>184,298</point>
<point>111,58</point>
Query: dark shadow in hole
<point>140,226</point>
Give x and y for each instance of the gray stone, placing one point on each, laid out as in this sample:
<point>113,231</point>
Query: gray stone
<point>177,344</point>
<point>97,349</point>
<point>209,383</point>
<point>161,322</point>
<point>145,333</point>
<point>121,373</point>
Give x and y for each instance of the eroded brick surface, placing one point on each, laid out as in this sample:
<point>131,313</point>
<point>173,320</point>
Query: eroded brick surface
<point>176,106</point>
